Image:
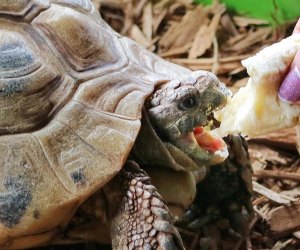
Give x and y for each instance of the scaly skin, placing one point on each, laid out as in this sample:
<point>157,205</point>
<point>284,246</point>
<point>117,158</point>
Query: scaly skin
<point>140,219</point>
<point>223,193</point>
<point>180,106</point>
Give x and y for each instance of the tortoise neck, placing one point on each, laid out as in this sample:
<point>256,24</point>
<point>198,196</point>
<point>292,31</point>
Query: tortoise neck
<point>151,150</point>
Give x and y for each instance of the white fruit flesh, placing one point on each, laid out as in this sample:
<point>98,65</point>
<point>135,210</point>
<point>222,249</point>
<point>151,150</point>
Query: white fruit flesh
<point>256,108</point>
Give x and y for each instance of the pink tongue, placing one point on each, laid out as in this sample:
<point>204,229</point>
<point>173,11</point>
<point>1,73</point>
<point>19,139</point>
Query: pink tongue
<point>208,141</point>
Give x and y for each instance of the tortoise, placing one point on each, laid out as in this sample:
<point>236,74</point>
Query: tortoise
<point>86,117</point>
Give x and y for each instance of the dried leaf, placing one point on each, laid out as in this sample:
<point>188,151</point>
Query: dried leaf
<point>183,32</point>
<point>251,39</point>
<point>206,33</point>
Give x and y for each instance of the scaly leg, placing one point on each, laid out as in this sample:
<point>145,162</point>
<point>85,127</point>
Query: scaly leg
<point>139,217</point>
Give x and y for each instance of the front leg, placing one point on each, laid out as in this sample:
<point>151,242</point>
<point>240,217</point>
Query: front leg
<point>139,217</point>
<point>223,200</point>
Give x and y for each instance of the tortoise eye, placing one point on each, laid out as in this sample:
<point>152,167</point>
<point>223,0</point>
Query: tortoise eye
<point>188,103</point>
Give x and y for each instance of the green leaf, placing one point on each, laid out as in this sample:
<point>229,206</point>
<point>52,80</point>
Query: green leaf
<point>274,11</point>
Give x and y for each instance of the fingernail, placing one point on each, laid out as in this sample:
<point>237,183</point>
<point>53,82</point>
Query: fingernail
<point>289,90</point>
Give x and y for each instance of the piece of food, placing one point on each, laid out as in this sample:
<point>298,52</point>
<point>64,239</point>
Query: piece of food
<point>256,108</point>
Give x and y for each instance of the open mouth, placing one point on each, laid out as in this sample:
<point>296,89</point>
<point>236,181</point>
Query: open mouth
<point>206,138</point>
<point>206,141</point>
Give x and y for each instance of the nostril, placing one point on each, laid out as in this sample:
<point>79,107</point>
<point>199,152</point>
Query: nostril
<point>227,91</point>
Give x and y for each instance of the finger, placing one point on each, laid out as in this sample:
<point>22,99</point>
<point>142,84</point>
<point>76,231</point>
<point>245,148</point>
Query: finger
<point>290,88</point>
<point>297,27</point>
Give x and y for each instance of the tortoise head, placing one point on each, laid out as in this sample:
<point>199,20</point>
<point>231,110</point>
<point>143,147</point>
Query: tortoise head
<point>181,111</point>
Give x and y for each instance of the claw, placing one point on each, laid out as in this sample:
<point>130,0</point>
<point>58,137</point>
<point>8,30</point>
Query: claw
<point>200,222</point>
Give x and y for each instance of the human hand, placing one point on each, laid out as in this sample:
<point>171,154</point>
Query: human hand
<point>289,90</point>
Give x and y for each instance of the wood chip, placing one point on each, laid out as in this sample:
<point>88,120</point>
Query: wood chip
<point>147,21</point>
<point>246,21</point>
<point>271,195</point>
<point>164,3</point>
<point>202,60</point>
<point>235,39</point>
<point>282,245</point>
<point>297,129</point>
<point>176,51</point>
<point>277,174</point>
<point>250,39</point>
<point>294,193</point>
<point>263,153</point>
<point>140,8</point>
<point>225,64</point>
<point>158,20</point>
<point>237,70</point>
<point>139,36</point>
<point>111,3</point>
<point>215,65</point>
<point>228,25</point>
<point>204,37</point>
<point>262,212</point>
<point>184,32</point>
<point>284,139</point>
<point>129,18</point>
<point>284,219</point>
<point>297,235</point>
<point>259,200</point>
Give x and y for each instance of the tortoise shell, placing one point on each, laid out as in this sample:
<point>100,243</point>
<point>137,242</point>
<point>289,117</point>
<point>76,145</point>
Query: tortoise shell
<point>71,95</point>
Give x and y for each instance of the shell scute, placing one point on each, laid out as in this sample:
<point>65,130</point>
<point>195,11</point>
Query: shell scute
<point>16,56</point>
<point>87,148</point>
<point>16,59</point>
<point>32,83</point>
<point>85,5</point>
<point>80,42</point>
<point>25,9</point>
<point>28,184</point>
<point>116,93</point>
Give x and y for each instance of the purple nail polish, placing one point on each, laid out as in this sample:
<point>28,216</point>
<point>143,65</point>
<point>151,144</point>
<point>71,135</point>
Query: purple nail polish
<point>289,90</point>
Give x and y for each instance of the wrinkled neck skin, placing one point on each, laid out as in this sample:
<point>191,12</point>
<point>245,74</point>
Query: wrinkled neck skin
<point>175,130</point>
